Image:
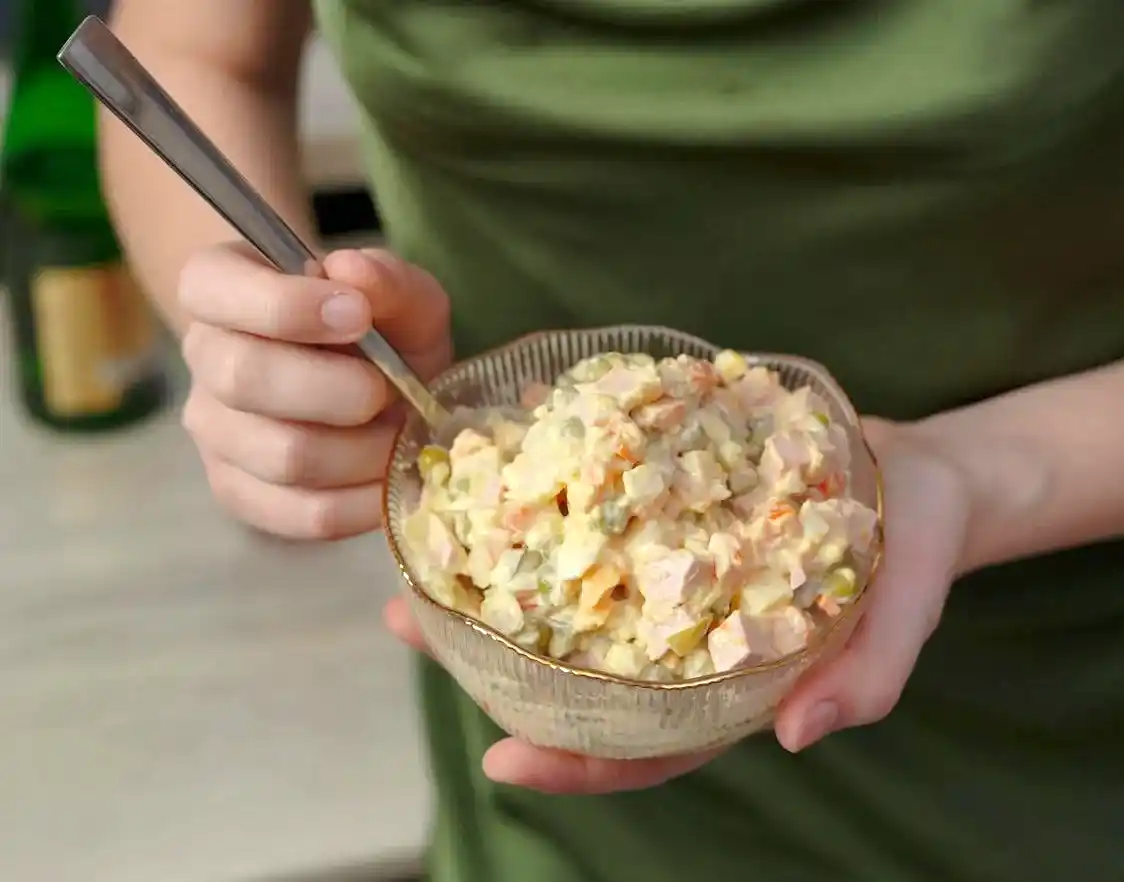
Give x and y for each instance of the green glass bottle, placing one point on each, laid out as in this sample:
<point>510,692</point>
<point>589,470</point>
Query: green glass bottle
<point>87,345</point>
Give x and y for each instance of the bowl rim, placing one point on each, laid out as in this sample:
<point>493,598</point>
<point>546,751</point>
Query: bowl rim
<point>852,611</point>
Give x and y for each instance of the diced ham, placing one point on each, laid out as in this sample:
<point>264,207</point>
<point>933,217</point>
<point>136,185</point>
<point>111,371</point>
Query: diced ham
<point>729,643</point>
<point>767,637</point>
<point>662,415</point>
<point>700,481</point>
<point>758,388</point>
<point>630,387</point>
<point>702,377</point>
<point>667,581</point>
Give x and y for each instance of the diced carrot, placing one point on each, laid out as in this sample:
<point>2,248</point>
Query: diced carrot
<point>830,486</point>
<point>598,585</point>
<point>780,511</point>
<point>629,456</point>
<point>702,377</point>
<point>827,605</point>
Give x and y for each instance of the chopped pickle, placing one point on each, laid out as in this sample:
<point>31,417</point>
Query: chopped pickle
<point>823,418</point>
<point>612,516</point>
<point>596,368</point>
<point>692,436</point>
<point>840,584</point>
<point>683,642</point>
<point>430,457</point>
<point>731,365</point>
<point>573,428</point>
<point>529,562</point>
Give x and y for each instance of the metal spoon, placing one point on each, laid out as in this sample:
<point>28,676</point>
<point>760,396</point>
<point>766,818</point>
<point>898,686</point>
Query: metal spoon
<point>98,60</point>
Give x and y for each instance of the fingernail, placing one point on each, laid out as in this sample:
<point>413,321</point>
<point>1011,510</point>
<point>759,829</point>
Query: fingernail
<point>344,313</point>
<point>497,770</point>
<point>492,769</point>
<point>818,722</point>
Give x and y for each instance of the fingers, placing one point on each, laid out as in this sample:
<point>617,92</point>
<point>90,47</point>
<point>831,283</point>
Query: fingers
<point>283,380</point>
<point>294,512</point>
<point>287,453</point>
<point>397,618</point>
<point>228,287</point>
<point>552,771</point>
<point>926,513</point>
<point>407,304</point>
<point>288,430</point>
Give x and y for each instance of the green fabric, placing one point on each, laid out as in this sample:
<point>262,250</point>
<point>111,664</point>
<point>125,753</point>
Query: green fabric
<point>927,196</point>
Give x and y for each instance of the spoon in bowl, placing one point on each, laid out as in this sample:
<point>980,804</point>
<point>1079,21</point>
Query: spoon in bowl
<point>98,60</point>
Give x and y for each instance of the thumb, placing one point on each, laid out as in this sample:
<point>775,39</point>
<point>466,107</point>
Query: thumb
<point>510,761</point>
<point>408,305</point>
<point>926,517</point>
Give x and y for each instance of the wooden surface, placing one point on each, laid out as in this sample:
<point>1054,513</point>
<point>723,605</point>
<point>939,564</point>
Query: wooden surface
<point>182,700</point>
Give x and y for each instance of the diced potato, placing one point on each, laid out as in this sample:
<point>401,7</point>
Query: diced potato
<point>685,641</point>
<point>840,584</point>
<point>730,365</point>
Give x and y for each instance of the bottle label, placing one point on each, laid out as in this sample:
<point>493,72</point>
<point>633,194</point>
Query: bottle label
<point>95,336</point>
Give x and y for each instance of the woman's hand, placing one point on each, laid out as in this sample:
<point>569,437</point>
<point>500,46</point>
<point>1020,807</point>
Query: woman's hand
<point>927,504</point>
<point>294,436</point>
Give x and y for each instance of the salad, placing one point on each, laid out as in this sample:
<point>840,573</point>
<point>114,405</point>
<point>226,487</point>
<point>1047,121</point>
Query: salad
<point>655,520</point>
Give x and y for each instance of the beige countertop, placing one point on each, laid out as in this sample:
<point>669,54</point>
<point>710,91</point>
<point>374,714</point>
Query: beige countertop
<point>182,700</point>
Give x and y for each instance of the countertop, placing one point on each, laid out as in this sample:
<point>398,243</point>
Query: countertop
<point>182,699</point>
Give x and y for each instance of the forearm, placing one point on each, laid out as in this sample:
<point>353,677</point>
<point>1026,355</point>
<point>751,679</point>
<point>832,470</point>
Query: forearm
<point>1043,464</point>
<point>160,220</point>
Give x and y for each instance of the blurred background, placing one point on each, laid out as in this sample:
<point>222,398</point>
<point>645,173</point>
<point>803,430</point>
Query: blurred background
<point>181,699</point>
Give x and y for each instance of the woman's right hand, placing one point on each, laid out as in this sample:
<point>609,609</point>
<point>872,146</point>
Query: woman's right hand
<point>295,437</point>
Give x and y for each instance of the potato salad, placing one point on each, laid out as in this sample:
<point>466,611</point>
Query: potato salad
<point>655,520</point>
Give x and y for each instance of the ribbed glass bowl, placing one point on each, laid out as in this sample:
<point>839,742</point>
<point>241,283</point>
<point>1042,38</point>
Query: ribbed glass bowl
<point>550,703</point>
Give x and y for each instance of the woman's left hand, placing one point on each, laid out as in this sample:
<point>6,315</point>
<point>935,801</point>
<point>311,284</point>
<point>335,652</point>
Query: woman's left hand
<point>927,508</point>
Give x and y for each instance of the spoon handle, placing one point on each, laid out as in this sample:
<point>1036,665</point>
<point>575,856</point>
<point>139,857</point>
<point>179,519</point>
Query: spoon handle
<point>98,60</point>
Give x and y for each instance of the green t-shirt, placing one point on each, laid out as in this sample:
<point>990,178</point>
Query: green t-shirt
<point>925,195</point>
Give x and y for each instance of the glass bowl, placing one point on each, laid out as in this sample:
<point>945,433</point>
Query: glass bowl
<point>554,704</point>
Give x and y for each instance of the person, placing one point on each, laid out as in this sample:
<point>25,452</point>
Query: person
<point>927,196</point>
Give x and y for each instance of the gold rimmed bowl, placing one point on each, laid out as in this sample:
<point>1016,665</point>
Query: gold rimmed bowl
<point>554,704</point>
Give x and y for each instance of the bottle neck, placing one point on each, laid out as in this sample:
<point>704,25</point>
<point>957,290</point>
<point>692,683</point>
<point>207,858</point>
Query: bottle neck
<point>49,159</point>
<point>42,26</point>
